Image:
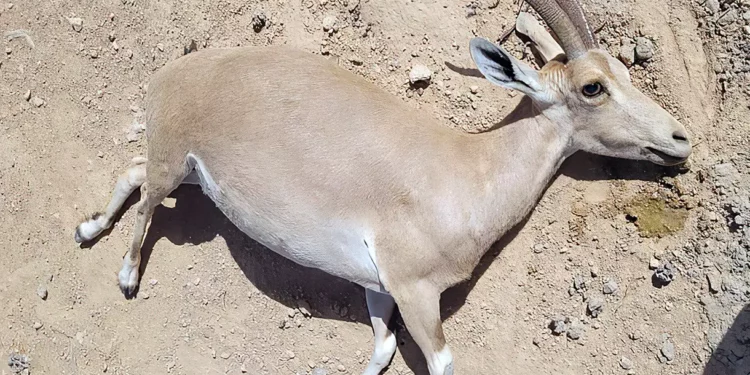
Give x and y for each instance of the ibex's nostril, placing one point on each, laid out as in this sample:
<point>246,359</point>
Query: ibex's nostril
<point>680,136</point>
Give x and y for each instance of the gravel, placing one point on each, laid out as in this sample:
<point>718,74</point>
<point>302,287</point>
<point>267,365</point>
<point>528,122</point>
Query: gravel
<point>18,363</point>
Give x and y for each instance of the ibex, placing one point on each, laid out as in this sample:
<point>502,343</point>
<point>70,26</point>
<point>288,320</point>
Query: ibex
<point>332,172</point>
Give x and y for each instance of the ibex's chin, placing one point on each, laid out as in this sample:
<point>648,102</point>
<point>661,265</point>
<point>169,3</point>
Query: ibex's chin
<point>326,169</point>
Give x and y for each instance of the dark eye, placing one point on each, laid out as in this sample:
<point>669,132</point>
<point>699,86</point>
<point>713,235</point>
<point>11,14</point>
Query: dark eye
<point>592,89</point>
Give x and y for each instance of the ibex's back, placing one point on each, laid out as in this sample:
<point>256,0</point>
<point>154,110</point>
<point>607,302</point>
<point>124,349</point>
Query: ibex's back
<point>305,157</point>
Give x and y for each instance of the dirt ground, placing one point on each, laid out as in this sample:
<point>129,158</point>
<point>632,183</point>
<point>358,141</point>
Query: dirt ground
<point>214,302</point>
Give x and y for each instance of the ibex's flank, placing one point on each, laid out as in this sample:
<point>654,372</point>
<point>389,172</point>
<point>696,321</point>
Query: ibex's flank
<point>332,172</point>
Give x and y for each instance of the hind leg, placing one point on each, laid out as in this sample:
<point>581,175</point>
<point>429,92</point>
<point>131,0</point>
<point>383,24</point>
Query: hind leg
<point>161,180</point>
<point>126,184</point>
<point>380,307</point>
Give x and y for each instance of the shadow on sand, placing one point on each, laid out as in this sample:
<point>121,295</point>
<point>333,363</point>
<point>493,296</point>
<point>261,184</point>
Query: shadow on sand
<point>732,355</point>
<point>195,220</point>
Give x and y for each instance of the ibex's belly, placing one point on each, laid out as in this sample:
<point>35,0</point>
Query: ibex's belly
<point>341,249</point>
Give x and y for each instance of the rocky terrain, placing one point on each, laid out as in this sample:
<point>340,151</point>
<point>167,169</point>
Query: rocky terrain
<point>623,268</point>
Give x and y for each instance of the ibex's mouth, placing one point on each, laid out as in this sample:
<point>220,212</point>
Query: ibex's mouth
<point>665,158</point>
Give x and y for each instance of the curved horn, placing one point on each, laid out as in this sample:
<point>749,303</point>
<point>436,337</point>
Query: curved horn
<point>568,23</point>
<point>575,12</point>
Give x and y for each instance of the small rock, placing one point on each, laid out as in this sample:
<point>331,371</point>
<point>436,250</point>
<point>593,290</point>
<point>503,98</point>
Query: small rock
<point>41,291</point>
<point>38,325</point>
<point>289,354</point>
<point>197,281</point>
<point>746,30</point>
<point>664,274</point>
<point>18,363</point>
<point>538,248</point>
<point>304,308</point>
<point>644,49</point>
<point>714,282</point>
<point>111,37</point>
<point>558,325</point>
<point>474,89</point>
<point>8,51</point>
<point>27,95</point>
<point>319,371</point>
<point>76,23</point>
<point>115,46</point>
<point>595,306</point>
<point>37,101</point>
<point>594,271</point>
<point>626,363</point>
<point>575,329</point>
<point>653,263</point>
<point>627,52</point>
<point>145,295</point>
<point>729,17</point>
<point>329,23</point>
<point>610,287</point>
<point>536,341</point>
<point>160,47</point>
<point>259,21</point>
<point>129,53</point>
<point>225,355</point>
<point>420,73</point>
<point>579,283</point>
<point>712,6</point>
<point>341,368</point>
<point>667,350</point>
<point>94,53</point>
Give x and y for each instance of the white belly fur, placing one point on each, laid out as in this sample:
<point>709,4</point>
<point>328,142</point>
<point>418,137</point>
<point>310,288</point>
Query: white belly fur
<point>342,249</point>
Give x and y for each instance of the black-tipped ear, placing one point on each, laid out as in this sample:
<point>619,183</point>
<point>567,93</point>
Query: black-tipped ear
<point>502,69</point>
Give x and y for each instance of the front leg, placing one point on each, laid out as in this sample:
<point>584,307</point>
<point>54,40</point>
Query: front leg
<point>419,305</point>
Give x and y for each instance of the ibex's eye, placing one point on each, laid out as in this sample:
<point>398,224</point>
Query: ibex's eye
<point>592,89</point>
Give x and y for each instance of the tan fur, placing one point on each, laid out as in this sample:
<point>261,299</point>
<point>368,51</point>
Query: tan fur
<point>298,147</point>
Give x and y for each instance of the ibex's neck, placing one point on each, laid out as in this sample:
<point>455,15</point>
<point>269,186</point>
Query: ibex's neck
<point>524,154</point>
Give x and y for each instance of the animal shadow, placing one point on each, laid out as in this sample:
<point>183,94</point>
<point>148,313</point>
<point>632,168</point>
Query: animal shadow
<point>732,355</point>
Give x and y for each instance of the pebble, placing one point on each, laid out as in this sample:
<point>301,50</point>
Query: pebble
<point>259,21</point>
<point>129,53</point>
<point>319,371</point>
<point>37,325</point>
<point>27,95</point>
<point>575,329</point>
<point>289,354</point>
<point>329,23</point>
<point>558,326</point>
<point>626,363</point>
<point>712,6</point>
<point>595,306</point>
<point>37,101</point>
<point>746,29</point>
<point>627,52</point>
<point>160,47</point>
<point>610,287</point>
<point>667,350</point>
<point>76,23</point>
<point>644,49</point>
<point>594,271</point>
<point>579,283</point>
<point>145,295</point>
<point>225,355</point>
<point>197,281</point>
<point>653,263</point>
<point>419,73</point>
<point>474,89</point>
<point>341,368</point>
<point>41,291</point>
<point>664,273</point>
<point>714,282</point>
<point>94,53</point>
<point>115,46</point>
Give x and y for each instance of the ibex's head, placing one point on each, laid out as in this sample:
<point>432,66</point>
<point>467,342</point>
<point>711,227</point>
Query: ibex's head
<point>591,93</point>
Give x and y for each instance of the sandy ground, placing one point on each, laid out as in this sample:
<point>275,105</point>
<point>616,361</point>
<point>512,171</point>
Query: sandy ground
<point>214,302</point>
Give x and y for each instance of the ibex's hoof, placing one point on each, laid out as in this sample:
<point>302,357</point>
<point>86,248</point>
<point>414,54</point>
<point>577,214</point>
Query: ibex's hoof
<point>89,229</point>
<point>128,278</point>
